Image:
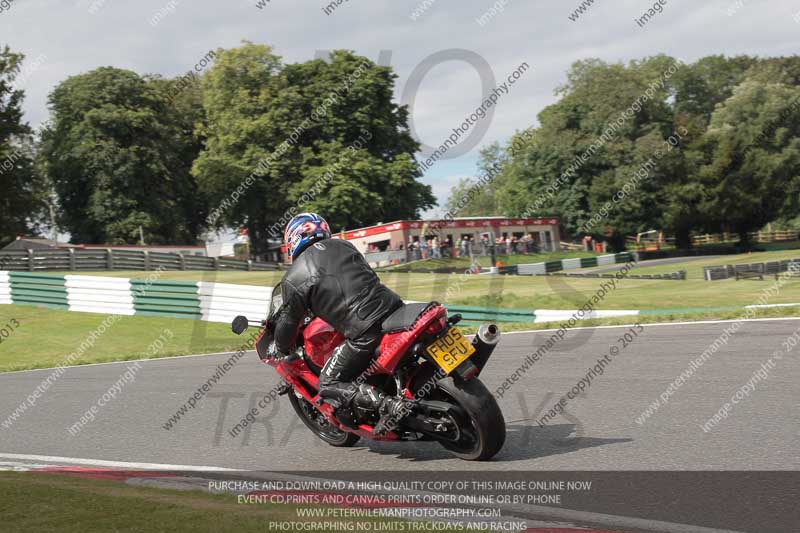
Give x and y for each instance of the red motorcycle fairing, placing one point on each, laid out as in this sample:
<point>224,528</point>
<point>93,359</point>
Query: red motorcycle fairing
<point>320,341</point>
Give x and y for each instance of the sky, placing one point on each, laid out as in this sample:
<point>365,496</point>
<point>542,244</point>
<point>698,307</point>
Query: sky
<point>66,37</point>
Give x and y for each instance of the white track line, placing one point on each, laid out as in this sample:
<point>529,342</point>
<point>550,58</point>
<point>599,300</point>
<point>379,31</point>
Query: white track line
<point>74,461</point>
<point>689,323</point>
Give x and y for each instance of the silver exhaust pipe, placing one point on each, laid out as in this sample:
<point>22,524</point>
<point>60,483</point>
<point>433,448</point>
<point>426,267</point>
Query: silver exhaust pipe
<point>485,342</point>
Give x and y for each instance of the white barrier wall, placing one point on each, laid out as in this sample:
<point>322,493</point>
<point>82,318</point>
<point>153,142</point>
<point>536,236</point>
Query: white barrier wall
<point>5,288</point>
<point>97,294</point>
<point>606,260</point>
<point>557,315</point>
<point>221,302</point>
<point>532,269</point>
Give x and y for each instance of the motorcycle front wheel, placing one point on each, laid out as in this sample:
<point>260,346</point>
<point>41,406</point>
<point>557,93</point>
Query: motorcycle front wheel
<point>319,425</point>
<point>482,432</point>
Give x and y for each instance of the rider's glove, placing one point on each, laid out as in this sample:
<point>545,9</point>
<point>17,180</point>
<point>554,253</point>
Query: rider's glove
<point>274,352</point>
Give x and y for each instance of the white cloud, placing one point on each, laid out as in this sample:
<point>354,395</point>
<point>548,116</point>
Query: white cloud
<point>540,33</point>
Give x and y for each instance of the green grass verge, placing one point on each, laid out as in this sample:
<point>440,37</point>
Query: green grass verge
<point>45,337</point>
<point>57,503</point>
<point>462,263</point>
<point>694,269</point>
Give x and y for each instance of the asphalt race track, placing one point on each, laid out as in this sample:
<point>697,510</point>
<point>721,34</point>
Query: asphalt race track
<point>597,432</point>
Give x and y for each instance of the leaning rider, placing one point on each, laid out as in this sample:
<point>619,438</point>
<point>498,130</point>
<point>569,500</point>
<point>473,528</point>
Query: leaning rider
<point>331,279</point>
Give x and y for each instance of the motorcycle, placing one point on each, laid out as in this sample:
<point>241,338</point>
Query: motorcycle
<point>423,357</point>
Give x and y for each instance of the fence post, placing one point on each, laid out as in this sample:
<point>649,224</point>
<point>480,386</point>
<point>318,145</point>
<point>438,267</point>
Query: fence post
<point>146,259</point>
<point>30,260</point>
<point>71,259</point>
<point>249,265</point>
<point>109,259</point>
<point>216,263</point>
<point>182,260</point>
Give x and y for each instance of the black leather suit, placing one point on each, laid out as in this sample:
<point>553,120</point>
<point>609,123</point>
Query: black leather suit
<point>332,280</point>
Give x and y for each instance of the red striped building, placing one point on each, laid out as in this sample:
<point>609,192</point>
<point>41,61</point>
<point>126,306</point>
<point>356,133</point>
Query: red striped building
<point>390,236</point>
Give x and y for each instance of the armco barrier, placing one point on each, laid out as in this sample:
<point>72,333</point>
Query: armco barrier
<point>74,259</point>
<point>38,289</point>
<point>221,302</point>
<point>213,302</point>
<point>484,314</point>
<point>94,294</point>
<point>679,275</point>
<point>540,269</point>
<point>5,288</point>
<point>752,270</point>
<point>166,298</point>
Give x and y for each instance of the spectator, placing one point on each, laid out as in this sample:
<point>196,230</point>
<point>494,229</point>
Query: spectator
<point>413,252</point>
<point>525,243</point>
<point>423,247</point>
<point>437,252</point>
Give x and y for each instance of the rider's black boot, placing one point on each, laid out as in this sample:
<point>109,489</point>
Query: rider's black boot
<point>351,403</point>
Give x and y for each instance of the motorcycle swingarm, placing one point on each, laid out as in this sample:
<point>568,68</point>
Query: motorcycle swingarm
<point>434,418</point>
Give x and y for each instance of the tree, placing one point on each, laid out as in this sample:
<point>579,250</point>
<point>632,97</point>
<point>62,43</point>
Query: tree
<point>183,118</point>
<point>586,138</point>
<point>731,162</point>
<point>23,194</point>
<point>317,135</point>
<point>118,152</point>
<point>483,201</point>
<point>753,172</point>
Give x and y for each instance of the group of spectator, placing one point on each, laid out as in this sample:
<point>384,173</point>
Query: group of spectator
<point>513,245</point>
<point>434,248</point>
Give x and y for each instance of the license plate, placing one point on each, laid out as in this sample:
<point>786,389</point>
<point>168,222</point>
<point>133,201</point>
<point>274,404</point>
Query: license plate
<point>451,350</point>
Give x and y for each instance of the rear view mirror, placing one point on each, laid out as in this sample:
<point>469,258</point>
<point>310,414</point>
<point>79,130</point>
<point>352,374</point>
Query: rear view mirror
<point>239,324</point>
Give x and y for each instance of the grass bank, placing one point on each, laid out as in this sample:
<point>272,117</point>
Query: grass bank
<point>57,503</point>
<point>462,263</point>
<point>44,338</point>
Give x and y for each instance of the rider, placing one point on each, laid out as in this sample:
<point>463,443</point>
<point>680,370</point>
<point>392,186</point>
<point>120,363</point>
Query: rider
<point>332,280</point>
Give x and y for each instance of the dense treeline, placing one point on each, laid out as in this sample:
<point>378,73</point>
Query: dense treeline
<point>126,155</point>
<point>22,193</point>
<point>655,144</point>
